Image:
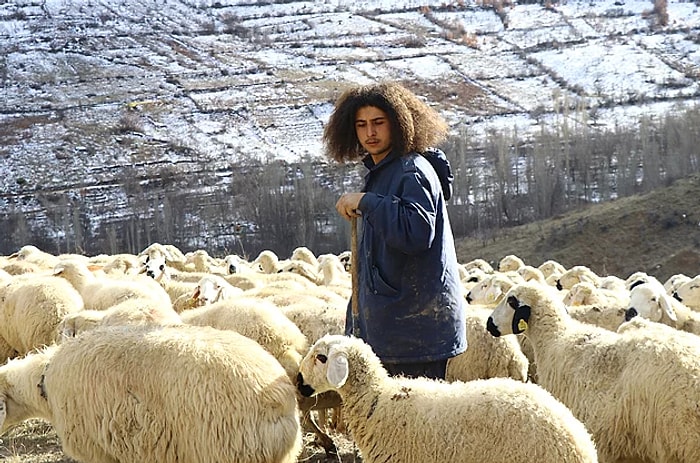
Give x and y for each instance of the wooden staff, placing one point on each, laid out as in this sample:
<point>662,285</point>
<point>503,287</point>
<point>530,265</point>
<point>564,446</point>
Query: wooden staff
<point>354,269</point>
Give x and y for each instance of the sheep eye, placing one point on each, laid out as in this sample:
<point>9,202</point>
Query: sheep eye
<point>321,358</point>
<point>162,267</point>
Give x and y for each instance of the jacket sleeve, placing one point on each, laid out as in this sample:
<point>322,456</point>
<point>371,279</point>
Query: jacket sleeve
<point>405,220</point>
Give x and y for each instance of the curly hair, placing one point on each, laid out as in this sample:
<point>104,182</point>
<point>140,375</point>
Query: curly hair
<point>415,126</point>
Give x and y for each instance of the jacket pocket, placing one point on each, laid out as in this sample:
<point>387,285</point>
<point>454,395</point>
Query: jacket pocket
<point>380,286</point>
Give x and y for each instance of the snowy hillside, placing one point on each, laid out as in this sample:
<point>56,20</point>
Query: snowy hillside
<point>99,93</point>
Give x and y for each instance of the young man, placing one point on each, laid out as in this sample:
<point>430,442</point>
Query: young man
<point>411,307</point>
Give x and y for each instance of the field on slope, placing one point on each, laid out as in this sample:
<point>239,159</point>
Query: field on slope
<point>658,233</point>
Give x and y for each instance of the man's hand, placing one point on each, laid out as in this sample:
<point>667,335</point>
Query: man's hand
<point>347,205</point>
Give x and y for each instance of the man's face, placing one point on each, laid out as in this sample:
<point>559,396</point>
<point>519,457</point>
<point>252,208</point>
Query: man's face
<point>373,130</point>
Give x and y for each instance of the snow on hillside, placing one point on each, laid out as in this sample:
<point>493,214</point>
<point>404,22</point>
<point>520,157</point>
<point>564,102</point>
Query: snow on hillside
<point>95,90</point>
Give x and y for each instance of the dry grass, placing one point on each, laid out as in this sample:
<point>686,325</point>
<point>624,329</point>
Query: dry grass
<point>658,233</point>
<point>36,442</point>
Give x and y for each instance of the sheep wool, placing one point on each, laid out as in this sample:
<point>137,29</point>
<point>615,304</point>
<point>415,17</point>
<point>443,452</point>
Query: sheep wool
<point>31,309</point>
<point>166,395</point>
<point>637,391</point>
<point>398,419</point>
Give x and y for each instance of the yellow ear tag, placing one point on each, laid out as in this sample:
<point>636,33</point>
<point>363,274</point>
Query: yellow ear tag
<point>522,325</point>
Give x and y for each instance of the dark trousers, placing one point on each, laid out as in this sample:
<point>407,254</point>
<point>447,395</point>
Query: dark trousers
<point>434,370</point>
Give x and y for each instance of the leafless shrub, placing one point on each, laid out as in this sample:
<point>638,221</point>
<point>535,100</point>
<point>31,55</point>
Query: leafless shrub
<point>130,122</point>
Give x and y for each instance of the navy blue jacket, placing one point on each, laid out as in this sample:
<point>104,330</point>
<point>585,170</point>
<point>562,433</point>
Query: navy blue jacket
<point>411,307</point>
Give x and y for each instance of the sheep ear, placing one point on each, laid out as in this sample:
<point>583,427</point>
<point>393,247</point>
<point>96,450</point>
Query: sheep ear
<point>667,306</point>
<point>337,372</point>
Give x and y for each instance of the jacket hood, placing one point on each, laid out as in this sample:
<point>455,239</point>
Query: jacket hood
<point>443,169</point>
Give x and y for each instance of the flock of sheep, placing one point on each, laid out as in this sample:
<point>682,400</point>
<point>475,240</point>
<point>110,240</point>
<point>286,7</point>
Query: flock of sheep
<point>170,357</point>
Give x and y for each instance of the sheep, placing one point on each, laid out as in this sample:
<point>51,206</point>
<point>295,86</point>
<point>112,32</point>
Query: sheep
<point>471,278</point>
<point>128,312</point>
<point>590,304</point>
<point>214,288</point>
<point>487,356</point>
<point>613,283</point>
<point>166,395</point>
<point>31,253</point>
<point>236,264</point>
<point>304,254</point>
<point>651,302</point>
<point>100,293</point>
<point>510,263</point>
<point>262,322</point>
<point>674,281</point>
<point>490,290</point>
<point>551,267</point>
<point>689,293</point>
<point>173,256</point>
<point>259,320</point>
<point>201,261</point>
<point>528,272</point>
<point>638,278</point>
<point>316,318</point>
<point>268,262</point>
<point>481,264</point>
<point>21,267</point>
<point>637,396</point>
<point>577,274</point>
<point>31,309</point>
<point>120,264</point>
<point>418,419</point>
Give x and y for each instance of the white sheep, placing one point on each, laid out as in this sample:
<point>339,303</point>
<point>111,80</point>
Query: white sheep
<point>510,263</point>
<point>398,419</point>
<point>237,264</point>
<point>577,274</point>
<point>31,253</point>
<point>128,312</point>
<point>674,281</point>
<point>551,267</point>
<point>613,283</point>
<point>689,293</point>
<point>166,395</point>
<point>214,288</point>
<point>316,318</point>
<point>637,396</point>
<point>480,264</point>
<point>31,310</point>
<point>262,322</point>
<point>259,320</point>
<point>487,356</point>
<point>651,302</point>
<point>304,254</point>
<point>530,273</point>
<point>268,261</point>
<point>638,278</point>
<point>173,256</point>
<point>490,290</point>
<point>102,292</point>
<point>590,304</point>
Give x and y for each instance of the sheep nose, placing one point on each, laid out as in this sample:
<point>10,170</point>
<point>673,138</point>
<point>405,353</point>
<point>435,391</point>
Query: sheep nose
<point>305,389</point>
<point>630,314</point>
<point>492,328</point>
<point>232,269</point>
<point>677,297</point>
<point>150,273</point>
<point>469,297</point>
<point>559,286</point>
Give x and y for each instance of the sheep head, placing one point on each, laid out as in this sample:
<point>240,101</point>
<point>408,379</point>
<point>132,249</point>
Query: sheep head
<point>325,367</point>
<point>513,314</point>
<point>649,301</point>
